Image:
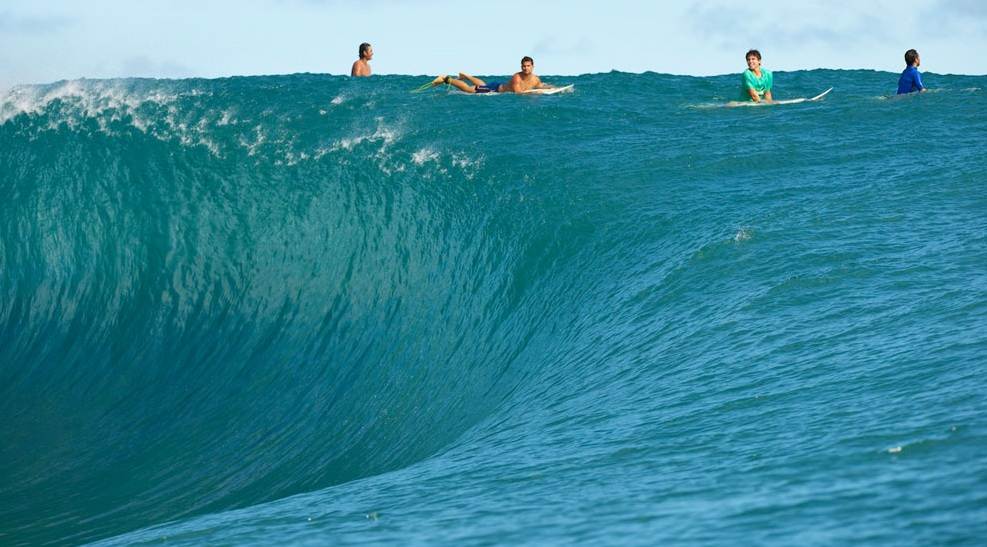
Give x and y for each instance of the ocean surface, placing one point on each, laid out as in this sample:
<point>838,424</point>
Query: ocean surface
<point>310,309</point>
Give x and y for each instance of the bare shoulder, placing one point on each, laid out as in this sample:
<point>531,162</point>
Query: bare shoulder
<point>360,68</point>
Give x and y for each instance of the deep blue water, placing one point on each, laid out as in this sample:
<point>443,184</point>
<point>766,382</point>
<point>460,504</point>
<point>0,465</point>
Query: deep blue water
<point>311,309</point>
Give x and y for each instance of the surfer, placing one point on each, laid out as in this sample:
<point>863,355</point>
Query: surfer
<point>911,80</point>
<point>361,66</point>
<point>757,80</point>
<point>522,81</point>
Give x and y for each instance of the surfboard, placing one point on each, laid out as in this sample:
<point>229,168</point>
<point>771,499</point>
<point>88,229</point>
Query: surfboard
<point>786,101</point>
<point>550,90</point>
<point>804,100</point>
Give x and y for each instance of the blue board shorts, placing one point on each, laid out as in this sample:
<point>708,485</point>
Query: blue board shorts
<point>492,87</point>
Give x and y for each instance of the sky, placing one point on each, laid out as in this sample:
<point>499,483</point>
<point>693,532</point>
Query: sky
<point>43,41</point>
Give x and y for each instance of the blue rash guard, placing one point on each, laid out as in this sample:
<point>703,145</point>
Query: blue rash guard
<point>910,81</point>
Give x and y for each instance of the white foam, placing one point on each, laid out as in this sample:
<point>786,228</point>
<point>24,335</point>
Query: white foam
<point>743,234</point>
<point>109,102</point>
<point>113,106</point>
<point>90,99</point>
<point>259,138</point>
<point>424,155</point>
<point>464,162</point>
<point>226,119</point>
<point>383,135</point>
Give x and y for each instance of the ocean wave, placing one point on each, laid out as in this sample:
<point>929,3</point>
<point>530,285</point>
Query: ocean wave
<point>264,309</point>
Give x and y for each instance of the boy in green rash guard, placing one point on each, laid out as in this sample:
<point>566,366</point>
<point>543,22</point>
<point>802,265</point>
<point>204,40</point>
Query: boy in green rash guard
<point>757,80</point>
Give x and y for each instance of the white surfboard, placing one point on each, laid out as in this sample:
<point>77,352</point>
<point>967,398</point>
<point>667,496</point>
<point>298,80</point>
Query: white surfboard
<point>804,100</point>
<point>550,90</point>
<point>786,101</point>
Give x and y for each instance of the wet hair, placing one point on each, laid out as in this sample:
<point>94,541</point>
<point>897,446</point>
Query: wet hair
<point>527,59</point>
<point>753,52</point>
<point>910,57</point>
<point>363,49</point>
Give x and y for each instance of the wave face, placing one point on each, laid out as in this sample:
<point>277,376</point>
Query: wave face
<point>307,308</point>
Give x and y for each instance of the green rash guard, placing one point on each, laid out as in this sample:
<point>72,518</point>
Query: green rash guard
<point>760,85</point>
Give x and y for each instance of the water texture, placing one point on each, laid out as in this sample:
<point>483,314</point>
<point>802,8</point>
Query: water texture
<point>309,309</point>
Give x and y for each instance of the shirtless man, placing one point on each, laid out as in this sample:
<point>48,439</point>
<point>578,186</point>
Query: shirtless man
<point>522,81</point>
<point>361,66</point>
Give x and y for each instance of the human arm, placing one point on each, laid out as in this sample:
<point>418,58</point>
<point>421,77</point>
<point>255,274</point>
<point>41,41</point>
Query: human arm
<point>750,86</point>
<point>541,85</point>
<point>769,82</point>
<point>918,82</point>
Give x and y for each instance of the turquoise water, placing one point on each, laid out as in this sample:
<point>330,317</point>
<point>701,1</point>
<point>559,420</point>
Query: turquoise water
<point>310,309</point>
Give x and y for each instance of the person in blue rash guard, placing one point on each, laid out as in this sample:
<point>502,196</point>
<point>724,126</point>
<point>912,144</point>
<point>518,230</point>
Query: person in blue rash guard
<point>911,80</point>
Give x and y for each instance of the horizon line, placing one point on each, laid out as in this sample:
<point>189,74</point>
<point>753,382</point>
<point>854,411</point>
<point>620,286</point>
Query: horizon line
<point>7,87</point>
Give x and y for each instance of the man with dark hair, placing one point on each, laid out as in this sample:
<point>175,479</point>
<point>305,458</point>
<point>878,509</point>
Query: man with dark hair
<point>361,67</point>
<point>522,81</point>
<point>910,79</point>
<point>757,81</point>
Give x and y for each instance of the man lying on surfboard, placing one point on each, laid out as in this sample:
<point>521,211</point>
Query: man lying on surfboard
<point>757,80</point>
<point>522,81</point>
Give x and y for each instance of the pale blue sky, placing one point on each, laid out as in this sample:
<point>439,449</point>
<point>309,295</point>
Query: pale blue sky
<point>48,40</point>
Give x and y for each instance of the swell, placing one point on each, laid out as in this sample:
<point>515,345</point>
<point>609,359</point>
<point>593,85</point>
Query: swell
<point>219,293</point>
<point>191,321</point>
